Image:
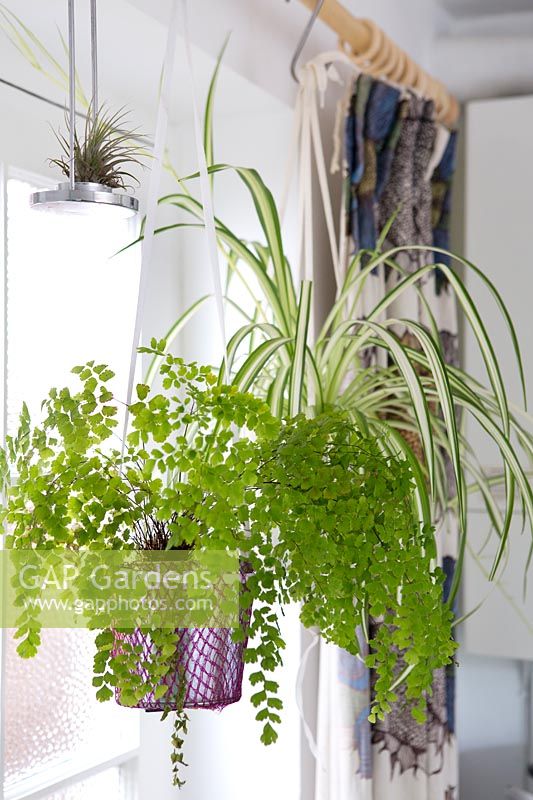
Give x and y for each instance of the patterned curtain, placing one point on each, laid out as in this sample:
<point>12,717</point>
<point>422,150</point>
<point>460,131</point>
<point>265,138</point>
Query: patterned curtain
<point>398,163</point>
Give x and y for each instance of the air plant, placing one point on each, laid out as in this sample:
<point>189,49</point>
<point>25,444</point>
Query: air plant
<point>106,146</point>
<point>103,152</point>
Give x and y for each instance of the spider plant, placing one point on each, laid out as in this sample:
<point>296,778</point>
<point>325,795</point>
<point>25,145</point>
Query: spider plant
<point>103,152</point>
<point>274,355</point>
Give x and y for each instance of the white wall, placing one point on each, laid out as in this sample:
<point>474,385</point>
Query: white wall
<point>265,32</point>
<point>482,54</point>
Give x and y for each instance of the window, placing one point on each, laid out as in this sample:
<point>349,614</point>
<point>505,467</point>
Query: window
<point>67,302</point>
<point>69,298</point>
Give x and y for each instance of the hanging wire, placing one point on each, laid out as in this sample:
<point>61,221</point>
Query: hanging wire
<point>303,39</point>
<point>71,91</point>
<point>144,140</point>
<point>94,60</point>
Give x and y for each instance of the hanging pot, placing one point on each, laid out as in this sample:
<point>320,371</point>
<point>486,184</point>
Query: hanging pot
<point>209,665</point>
<point>84,198</point>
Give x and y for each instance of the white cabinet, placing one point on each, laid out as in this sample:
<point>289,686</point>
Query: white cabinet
<point>499,240</point>
<point>503,626</point>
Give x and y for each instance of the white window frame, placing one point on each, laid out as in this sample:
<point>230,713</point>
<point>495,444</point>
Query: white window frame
<point>65,775</point>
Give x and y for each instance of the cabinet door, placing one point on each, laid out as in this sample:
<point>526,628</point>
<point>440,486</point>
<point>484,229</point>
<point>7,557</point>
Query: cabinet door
<point>503,625</point>
<point>498,239</point>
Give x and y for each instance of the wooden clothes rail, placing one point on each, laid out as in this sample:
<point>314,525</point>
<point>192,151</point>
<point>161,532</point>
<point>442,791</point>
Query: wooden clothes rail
<point>372,50</point>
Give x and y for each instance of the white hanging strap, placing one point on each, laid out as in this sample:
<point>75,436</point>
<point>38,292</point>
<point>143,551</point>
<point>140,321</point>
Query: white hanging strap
<point>152,197</point>
<point>441,142</point>
<point>335,166</point>
<point>314,80</point>
<point>207,197</point>
<point>341,112</point>
<point>306,204</point>
<point>300,193</point>
<point>311,741</point>
<point>306,139</point>
<point>293,155</point>
<point>322,173</point>
<point>306,190</point>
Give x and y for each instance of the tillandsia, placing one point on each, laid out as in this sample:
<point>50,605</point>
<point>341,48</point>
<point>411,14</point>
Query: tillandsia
<point>319,510</point>
<point>105,152</point>
<point>106,148</point>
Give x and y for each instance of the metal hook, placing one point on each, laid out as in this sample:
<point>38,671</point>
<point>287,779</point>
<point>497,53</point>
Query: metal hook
<point>304,37</point>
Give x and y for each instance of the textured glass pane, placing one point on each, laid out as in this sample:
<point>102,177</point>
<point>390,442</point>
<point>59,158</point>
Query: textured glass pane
<point>106,786</point>
<point>51,715</point>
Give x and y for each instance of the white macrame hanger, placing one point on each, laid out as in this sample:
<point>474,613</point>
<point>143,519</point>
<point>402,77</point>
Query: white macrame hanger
<point>152,199</point>
<point>207,197</point>
<point>306,141</point>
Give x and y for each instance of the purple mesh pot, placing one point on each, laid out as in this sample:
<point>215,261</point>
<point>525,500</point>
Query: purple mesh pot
<point>207,659</point>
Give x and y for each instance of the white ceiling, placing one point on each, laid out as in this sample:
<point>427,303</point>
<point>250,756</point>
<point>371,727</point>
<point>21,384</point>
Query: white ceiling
<point>480,8</point>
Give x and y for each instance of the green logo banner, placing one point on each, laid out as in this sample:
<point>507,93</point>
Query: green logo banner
<point>120,589</point>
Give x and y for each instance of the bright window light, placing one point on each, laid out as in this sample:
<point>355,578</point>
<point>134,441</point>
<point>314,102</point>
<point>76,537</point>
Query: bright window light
<point>69,299</point>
